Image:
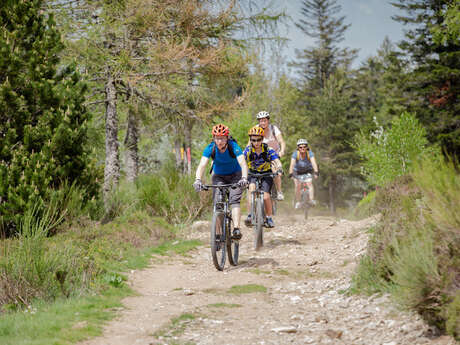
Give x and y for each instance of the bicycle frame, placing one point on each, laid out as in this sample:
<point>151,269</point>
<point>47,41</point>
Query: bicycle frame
<point>305,192</point>
<point>222,219</point>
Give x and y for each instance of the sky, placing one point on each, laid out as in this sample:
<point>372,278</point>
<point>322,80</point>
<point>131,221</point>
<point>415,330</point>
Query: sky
<point>370,22</point>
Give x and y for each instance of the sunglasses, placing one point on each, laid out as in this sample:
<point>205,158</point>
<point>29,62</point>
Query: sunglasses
<point>256,140</point>
<point>303,147</point>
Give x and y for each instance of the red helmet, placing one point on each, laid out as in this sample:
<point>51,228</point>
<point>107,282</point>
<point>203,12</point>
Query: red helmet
<point>220,130</point>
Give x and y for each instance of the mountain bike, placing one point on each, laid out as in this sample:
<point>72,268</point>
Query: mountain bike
<point>257,208</point>
<point>222,242</point>
<point>304,192</point>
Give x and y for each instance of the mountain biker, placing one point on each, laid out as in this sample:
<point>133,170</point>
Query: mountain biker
<point>303,162</point>
<point>229,167</point>
<point>274,139</point>
<point>260,158</point>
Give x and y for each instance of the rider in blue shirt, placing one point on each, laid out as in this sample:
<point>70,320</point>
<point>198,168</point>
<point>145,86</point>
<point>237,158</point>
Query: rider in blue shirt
<point>229,166</point>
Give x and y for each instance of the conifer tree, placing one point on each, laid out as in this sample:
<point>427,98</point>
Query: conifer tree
<point>42,118</point>
<point>434,82</point>
<point>320,22</point>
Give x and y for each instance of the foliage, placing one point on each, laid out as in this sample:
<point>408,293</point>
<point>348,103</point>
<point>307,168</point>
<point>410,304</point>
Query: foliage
<point>320,22</point>
<point>393,152</point>
<point>170,194</point>
<point>414,251</point>
<point>43,122</point>
<point>434,79</point>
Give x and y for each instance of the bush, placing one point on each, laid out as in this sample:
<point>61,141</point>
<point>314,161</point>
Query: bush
<point>415,250</point>
<point>170,194</point>
<point>389,153</point>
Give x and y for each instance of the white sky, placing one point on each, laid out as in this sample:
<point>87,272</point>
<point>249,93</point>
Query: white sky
<point>370,22</point>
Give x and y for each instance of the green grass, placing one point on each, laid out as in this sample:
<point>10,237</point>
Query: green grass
<point>176,247</point>
<point>53,323</point>
<point>224,305</point>
<point>175,327</point>
<point>248,288</point>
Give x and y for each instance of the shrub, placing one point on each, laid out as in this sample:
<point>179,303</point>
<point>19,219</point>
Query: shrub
<point>389,153</point>
<point>415,250</point>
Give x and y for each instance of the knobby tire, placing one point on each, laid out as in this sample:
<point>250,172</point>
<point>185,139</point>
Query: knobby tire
<point>259,230</point>
<point>218,248</point>
<point>233,246</point>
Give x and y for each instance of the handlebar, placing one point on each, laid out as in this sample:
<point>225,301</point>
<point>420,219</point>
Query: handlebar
<point>265,174</point>
<point>229,185</point>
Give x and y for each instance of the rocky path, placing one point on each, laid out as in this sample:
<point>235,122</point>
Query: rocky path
<point>291,292</point>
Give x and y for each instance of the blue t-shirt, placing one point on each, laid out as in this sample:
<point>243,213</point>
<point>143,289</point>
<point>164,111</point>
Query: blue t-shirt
<point>224,164</point>
<point>258,163</point>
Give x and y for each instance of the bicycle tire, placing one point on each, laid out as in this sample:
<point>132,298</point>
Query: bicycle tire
<point>218,248</point>
<point>305,203</point>
<point>259,226</point>
<point>233,246</point>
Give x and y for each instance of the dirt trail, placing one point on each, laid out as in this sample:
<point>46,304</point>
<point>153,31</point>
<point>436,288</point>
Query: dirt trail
<point>304,266</point>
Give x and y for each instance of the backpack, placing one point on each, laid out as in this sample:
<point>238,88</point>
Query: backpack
<point>229,147</point>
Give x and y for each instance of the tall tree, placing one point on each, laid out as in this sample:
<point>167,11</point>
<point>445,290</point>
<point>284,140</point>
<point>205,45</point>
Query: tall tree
<point>435,80</point>
<point>321,23</point>
<point>43,122</point>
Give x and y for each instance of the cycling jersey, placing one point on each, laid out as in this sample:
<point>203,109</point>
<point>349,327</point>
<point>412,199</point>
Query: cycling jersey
<point>260,163</point>
<point>224,164</point>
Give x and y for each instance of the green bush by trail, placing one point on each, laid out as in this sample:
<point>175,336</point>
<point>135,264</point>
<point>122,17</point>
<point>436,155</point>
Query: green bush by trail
<point>414,252</point>
<point>43,122</point>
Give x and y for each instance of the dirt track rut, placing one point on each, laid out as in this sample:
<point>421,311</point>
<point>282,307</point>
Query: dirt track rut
<point>305,267</point>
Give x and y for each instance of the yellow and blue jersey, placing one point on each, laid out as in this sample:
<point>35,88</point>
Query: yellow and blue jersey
<point>260,163</point>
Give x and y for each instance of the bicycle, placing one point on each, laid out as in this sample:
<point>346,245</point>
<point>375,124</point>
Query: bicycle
<point>222,228</point>
<point>304,192</point>
<point>257,208</point>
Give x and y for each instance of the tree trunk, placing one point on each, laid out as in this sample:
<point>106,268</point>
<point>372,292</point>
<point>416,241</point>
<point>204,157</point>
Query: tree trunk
<point>131,146</point>
<point>112,163</point>
<point>332,183</point>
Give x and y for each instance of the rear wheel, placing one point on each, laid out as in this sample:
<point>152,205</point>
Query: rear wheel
<point>218,234</point>
<point>233,246</point>
<point>259,231</point>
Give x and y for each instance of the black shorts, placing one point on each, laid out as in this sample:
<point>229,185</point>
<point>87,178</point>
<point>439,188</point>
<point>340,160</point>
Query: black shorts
<point>267,182</point>
<point>235,194</point>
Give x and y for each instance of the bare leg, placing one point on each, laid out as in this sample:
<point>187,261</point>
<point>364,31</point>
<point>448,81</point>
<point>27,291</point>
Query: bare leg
<point>268,204</point>
<point>297,190</point>
<point>236,215</point>
<point>311,191</point>
<point>252,187</point>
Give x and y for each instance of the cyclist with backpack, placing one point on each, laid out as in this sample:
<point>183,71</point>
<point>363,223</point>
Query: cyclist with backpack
<point>303,162</point>
<point>260,158</point>
<point>274,139</point>
<point>229,167</point>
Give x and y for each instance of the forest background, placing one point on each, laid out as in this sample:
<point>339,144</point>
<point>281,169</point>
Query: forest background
<point>107,105</point>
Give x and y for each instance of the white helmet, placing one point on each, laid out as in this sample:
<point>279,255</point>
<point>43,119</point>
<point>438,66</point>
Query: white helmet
<point>263,115</point>
<point>302,142</point>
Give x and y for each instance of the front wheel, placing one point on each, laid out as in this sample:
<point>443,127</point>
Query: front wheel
<point>218,234</point>
<point>233,246</point>
<point>305,203</point>
<point>259,232</point>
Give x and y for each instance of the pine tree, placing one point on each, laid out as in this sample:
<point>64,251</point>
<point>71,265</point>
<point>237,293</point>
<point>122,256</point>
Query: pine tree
<point>435,80</point>
<point>319,62</point>
<point>42,117</point>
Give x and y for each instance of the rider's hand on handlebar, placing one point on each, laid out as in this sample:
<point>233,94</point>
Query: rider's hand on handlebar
<point>198,185</point>
<point>243,183</point>
<point>290,175</point>
<point>279,171</point>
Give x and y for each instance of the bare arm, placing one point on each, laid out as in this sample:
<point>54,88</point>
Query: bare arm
<point>201,167</point>
<point>291,167</point>
<point>315,166</point>
<point>243,165</point>
<point>280,139</point>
